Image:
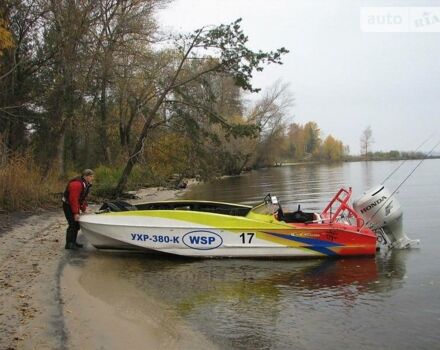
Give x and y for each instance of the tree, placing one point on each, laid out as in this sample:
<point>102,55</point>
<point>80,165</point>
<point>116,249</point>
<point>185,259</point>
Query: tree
<point>95,47</point>
<point>122,28</point>
<point>296,137</point>
<point>332,149</point>
<point>312,139</point>
<point>19,66</point>
<point>269,112</point>
<point>366,141</point>
<point>226,44</point>
<point>62,79</point>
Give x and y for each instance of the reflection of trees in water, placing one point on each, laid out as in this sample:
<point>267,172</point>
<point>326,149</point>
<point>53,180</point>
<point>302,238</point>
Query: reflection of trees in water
<point>367,174</point>
<point>310,184</point>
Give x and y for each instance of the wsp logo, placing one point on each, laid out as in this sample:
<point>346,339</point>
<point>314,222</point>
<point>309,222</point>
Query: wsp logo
<point>202,240</point>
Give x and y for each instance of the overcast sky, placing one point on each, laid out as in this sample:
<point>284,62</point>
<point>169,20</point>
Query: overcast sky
<point>342,77</point>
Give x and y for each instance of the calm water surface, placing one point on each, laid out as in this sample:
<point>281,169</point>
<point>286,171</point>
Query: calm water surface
<point>387,302</point>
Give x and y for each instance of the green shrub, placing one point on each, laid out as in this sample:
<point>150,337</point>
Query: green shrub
<point>106,179</point>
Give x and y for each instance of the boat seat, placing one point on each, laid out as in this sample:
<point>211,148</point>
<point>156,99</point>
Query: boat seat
<point>117,206</point>
<point>298,216</point>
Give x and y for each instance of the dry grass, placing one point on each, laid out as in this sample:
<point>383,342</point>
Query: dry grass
<point>22,185</point>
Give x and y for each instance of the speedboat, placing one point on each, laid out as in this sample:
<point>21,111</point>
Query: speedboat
<point>215,229</point>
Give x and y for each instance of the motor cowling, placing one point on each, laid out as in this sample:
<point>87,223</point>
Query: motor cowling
<point>383,214</point>
<point>378,208</point>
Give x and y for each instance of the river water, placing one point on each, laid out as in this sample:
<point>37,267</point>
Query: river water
<point>388,302</point>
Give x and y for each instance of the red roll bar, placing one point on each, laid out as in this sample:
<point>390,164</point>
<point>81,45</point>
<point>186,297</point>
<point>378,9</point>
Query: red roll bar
<point>341,199</point>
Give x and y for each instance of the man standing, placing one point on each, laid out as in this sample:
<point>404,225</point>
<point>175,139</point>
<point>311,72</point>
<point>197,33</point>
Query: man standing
<point>74,202</point>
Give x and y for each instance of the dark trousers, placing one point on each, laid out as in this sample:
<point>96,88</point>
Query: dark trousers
<point>73,228</point>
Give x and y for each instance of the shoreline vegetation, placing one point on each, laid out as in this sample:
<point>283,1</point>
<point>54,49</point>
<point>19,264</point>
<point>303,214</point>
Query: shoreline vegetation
<point>23,186</point>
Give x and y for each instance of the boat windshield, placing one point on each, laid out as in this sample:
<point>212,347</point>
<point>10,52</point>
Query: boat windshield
<point>269,206</point>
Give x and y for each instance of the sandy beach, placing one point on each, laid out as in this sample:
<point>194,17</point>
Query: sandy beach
<point>43,304</point>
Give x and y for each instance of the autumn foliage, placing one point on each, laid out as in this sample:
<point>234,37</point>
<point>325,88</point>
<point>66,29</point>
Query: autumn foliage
<point>95,84</point>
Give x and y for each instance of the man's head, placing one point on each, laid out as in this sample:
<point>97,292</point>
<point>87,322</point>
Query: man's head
<point>88,175</point>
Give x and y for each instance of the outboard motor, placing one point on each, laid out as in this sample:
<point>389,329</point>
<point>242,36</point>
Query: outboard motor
<point>382,213</point>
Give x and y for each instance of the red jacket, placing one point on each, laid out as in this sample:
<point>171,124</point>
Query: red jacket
<point>76,194</point>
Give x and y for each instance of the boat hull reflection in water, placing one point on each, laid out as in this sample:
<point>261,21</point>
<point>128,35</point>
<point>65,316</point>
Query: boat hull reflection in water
<point>258,304</point>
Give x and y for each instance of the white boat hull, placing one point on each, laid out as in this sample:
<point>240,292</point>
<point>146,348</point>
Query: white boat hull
<point>184,239</point>
<point>212,229</point>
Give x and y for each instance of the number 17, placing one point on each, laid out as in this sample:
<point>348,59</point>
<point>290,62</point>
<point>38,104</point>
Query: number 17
<point>250,235</point>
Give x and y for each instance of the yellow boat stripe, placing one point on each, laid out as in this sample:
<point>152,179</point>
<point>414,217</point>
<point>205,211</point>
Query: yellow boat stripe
<point>218,221</point>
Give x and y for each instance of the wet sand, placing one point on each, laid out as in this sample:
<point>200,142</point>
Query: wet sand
<point>44,304</point>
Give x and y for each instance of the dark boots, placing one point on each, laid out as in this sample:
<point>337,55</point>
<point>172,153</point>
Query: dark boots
<point>71,235</point>
<point>72,229</point>
<point>71,245</point>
